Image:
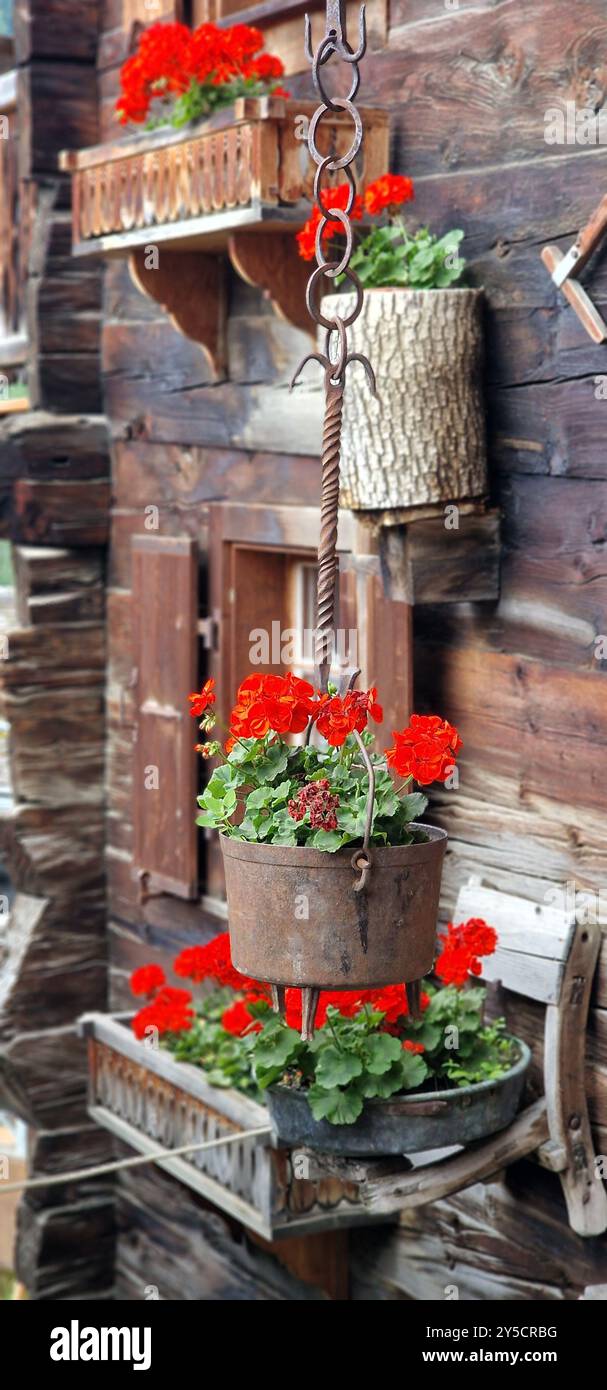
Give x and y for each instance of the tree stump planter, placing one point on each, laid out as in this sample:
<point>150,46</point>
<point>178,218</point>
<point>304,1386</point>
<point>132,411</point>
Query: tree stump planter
<point>295,917</point>
<point>422,442</point>
<point>407,1123</point>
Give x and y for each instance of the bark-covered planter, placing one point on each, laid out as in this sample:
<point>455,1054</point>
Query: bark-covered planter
<point>296,919</point>
<point>422,442</point>
<point>406,1123</point>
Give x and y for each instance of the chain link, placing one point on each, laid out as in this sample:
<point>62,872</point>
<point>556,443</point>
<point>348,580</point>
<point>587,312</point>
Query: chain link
<point>335,43</point>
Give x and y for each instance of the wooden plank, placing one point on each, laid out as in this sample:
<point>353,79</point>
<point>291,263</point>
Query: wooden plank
<point>405,1191</point>
<point>426,562</point>
<point>165,611</point>
<point>526,927</point>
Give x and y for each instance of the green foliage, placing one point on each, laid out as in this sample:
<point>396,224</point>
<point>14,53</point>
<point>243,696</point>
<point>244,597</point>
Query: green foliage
<point>227,1060</point>
<point>203,99</point>
<point>350,1060</point>
<point>263,775</point>
<point>391,256</point>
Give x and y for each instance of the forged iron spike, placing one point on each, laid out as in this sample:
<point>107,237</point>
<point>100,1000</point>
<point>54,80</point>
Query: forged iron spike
<point>308,39</point>
<point>311,357</point>
<point>362,37</point>
<point>364,361</point>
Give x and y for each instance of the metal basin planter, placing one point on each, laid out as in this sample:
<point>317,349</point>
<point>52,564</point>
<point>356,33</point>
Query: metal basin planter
<point>296,919</point>
<point>408,1123</point>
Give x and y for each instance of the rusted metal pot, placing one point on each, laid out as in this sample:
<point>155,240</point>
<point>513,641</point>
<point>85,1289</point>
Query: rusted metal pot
<point>296,919</point>
<point>405,1124</point>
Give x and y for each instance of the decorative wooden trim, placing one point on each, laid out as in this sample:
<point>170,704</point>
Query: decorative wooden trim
<point>148,1100</point>
<point>249,157</point>
<point>191,287</point>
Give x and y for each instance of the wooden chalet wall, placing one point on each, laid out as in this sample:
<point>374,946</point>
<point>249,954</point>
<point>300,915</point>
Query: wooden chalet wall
<point>467,87</point>
<point>54,495</point>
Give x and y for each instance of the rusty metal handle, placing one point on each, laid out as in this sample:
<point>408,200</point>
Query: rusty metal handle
<point>361,859</point>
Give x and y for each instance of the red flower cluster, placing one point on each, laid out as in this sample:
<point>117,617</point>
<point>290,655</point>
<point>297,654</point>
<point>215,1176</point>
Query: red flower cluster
<point>264,702</point>
<point>425,750</point>
<point>461,948</point>
<point>391,1001</point>
<point>147,979</point>
<point>335,717</point>
<point>390,191</point>
<point>237,1019</point>
<point>316,798</point>
<point>332,198</point>
<point>169,1012</point>
<point>410,1046</point>
<point>201,701</point>
<point>171,56</point>
<point>214,962</point>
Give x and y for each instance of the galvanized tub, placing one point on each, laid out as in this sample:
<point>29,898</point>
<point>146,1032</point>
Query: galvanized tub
<point>405,1124</point>
<point>295,918</point>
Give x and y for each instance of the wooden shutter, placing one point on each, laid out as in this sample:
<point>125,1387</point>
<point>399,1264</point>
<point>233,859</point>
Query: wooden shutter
<point>165,600</point>
<point>384,631</point>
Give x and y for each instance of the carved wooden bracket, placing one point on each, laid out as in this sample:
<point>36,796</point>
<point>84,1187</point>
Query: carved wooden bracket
<point>191,286</point>
<point>271,261</point>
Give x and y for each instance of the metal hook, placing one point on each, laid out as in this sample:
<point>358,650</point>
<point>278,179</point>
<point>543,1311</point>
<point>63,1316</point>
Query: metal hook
<point>364,361</point>
<point>311,357</point>
<point>336,30</point>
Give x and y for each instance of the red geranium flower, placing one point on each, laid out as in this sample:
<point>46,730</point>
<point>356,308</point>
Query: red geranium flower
<point>237,1019</point>
<point>200,702</point>
<point>282,704</point>
<point>214,962</point>
<point>169,1012</point>
<point>461,948</point>
<point>410,1046</point>
<point>389,191</point>
<point>146,979</point>
<point>332,198</point>
<point>425,750</point>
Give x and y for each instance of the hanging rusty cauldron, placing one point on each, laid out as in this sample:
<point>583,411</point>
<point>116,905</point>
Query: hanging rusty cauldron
<point>296,917</point>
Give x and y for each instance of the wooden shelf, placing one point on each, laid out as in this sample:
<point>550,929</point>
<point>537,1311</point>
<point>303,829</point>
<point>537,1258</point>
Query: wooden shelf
<point>235,187</point>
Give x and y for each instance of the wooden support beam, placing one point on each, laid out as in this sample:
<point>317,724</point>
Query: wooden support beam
<point>272,263</point>
<point>405,1190</point>
<point>429,561</point>
<point>191,287</point>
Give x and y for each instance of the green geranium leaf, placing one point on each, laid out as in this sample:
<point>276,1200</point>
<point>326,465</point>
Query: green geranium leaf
<point>414,1070</point>
<point>339,1107</point>
<point>382,1087</point>
<point>381,1050</point>
<point>413,805</point>
<point>328,839</point>
<point>276,1046</point>
<point>336,1068</point>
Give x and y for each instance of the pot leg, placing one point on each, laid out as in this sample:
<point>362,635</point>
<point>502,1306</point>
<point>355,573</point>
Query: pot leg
<point>309,1004</point>
<point>414,992</point>
<point>278,999</point>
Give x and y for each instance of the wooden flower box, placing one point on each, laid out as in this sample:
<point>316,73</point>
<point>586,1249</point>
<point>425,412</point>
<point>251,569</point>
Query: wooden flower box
<point>149,1100</point>
<point>207,188</point>
<point>248,164</point>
